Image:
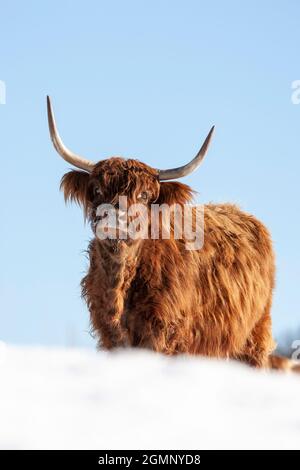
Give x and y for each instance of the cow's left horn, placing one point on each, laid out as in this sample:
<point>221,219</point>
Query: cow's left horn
<point>69,156</point>
<point>174,173</point>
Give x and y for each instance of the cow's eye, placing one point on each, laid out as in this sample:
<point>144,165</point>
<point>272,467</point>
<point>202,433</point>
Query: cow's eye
<point>97,191</point>
<point>143,196</point>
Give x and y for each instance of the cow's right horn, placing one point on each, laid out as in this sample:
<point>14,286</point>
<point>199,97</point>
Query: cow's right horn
<point>67,155</point>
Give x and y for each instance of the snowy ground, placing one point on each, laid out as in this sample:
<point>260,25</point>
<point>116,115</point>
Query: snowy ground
<point>59,398</point>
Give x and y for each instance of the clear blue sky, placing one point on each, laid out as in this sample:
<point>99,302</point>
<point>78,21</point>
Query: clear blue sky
<point>146,80</point>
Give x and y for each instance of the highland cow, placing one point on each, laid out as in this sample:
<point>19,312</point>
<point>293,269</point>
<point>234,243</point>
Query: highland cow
<point>156,294</point>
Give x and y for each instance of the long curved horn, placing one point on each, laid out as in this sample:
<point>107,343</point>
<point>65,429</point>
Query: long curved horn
<point>174,173</point>
<point>69,156</point>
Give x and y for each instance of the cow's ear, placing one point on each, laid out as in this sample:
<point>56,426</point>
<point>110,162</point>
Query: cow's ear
<point>75,186</point>
<point>174,192</point>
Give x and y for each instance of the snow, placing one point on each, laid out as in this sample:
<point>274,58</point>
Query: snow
<point>78,399</point>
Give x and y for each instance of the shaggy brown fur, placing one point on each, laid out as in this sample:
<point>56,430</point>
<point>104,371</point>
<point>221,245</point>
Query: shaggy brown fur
<point>156,294</point>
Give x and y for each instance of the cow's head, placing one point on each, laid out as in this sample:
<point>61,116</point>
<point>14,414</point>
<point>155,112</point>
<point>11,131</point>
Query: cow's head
<point>102,183</point>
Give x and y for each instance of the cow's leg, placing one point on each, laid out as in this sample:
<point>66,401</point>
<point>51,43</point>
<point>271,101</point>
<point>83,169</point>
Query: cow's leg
<point>260,343</point>
<point>148,329</point>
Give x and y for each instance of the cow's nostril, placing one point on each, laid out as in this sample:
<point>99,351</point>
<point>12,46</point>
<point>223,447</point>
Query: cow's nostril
<point>100,217</point>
